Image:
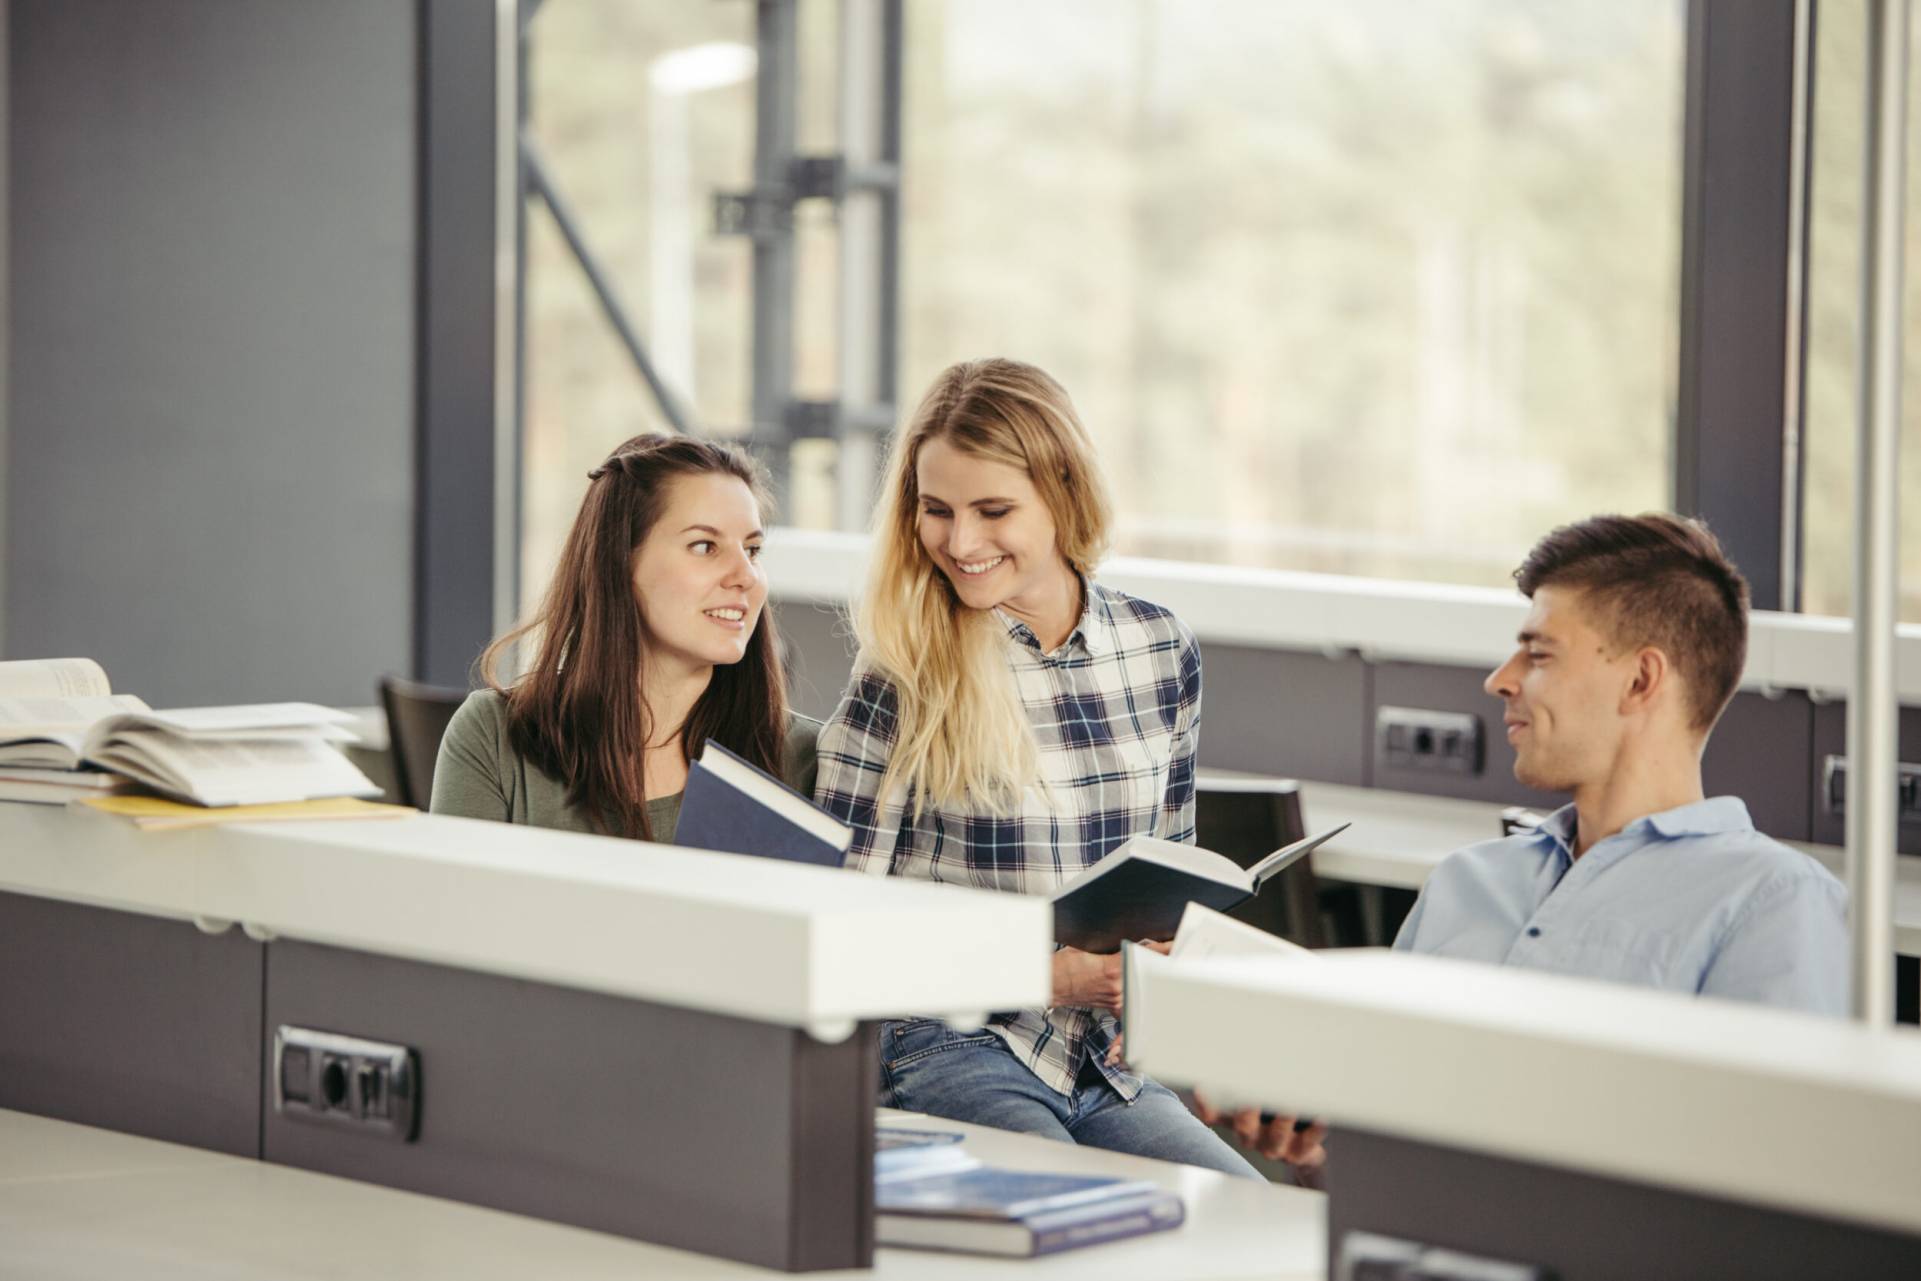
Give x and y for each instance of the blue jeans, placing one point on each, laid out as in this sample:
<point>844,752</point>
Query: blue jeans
<point>973,1076</point>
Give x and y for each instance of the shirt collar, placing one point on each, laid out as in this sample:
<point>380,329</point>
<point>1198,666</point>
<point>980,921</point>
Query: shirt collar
<point>1093,630</point>
<point>1703,818</point>
<point>1558,827</point>
<point>1700,818</point>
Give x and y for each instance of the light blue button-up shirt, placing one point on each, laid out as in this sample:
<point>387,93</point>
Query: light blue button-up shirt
<point>1691,899</point>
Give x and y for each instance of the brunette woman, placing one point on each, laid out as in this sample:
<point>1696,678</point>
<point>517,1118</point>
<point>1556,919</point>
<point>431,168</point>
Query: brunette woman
<point>651,640</point>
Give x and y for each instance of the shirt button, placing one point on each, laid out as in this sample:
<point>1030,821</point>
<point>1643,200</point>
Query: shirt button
<point>1534,931</point>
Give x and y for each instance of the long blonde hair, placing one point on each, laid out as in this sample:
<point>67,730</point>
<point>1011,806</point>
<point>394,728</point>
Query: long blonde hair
<point>962,735</point>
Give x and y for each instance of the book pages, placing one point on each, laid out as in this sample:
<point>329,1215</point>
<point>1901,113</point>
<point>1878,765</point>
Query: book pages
<point>232,772</point>
<point>54,714</point>
<point>54,678</point>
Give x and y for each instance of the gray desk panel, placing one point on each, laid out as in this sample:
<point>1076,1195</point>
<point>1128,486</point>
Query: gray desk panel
<point>684,1128</point>
<point>129,1022</point>
<point>1589,1228</point>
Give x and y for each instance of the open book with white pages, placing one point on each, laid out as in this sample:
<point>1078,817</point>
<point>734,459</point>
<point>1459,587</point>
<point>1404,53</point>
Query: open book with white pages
<point>1140,889</point>
<point>60,718</point>
<point>1203,934</point>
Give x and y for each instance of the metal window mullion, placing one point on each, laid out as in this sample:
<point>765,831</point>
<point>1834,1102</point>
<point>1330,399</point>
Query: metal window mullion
<point>1873,712</point>
<point>775,99</point>
<point>869,248</point>
<point>1737,258</point>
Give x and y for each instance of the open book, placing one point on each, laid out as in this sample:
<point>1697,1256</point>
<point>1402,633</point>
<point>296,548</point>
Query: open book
<point>731,806</point>
<point>47,706</point>
<point>59,714</point>
<point>1140,890</point>
<point>1203,933</point>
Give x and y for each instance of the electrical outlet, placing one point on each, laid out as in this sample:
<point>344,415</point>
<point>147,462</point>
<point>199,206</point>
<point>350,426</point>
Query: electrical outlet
<point>373,1086</point>
<point>1369,1256</point>
<point>1420,739</point>
<point>1834,789</point>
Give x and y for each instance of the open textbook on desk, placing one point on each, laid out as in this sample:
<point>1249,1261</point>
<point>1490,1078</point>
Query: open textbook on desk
<point>61,718</point>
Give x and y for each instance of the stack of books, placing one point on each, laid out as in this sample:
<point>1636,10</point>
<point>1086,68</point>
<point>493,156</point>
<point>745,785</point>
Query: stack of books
<point>930,1195</point>
<point>64,735</point>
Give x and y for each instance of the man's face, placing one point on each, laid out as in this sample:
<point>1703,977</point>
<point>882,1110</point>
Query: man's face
<point>1563,690</point>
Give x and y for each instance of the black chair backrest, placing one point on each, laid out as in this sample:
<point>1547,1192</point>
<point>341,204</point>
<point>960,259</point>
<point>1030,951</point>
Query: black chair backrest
<point>417,716</point>
<point>1246,820</point>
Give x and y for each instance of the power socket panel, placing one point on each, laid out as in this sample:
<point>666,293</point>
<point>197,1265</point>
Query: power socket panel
<point>1834,789</point>
<point>370,1086</point>
<point>1419,738</point>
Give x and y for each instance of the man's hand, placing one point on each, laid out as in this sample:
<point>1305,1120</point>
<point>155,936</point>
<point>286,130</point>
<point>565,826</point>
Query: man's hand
<point>1088,979</point>
<point>1275,1139</point>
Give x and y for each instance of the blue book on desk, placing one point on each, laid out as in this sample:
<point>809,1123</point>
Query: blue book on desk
<point>1018,1213</point>
<point>731,806</point>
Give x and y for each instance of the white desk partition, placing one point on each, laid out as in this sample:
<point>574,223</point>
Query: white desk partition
<point>793,945</point>
<point>671,1044</point>
<point>1791,1112</point>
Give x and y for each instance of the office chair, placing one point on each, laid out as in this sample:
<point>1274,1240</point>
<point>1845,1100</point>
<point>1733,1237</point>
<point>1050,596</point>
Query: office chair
<point>1245,820</point>
<point>417,716</point>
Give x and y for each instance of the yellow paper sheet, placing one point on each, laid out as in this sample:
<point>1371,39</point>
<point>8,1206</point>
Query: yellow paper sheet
<point>154,812</point>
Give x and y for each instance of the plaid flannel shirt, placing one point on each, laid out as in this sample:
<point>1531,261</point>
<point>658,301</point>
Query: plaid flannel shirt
<point>1116,713</point>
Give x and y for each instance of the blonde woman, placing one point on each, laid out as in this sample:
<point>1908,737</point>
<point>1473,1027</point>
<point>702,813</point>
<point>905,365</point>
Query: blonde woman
<point>1010,722</point>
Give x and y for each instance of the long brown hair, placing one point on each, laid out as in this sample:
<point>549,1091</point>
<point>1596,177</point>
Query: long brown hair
<point>580,712</point>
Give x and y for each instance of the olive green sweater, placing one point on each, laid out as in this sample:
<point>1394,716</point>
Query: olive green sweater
<point>480,775</point>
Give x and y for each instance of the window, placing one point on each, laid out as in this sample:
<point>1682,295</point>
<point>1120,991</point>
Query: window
<point>1372,288</point>
<point>1834,321</point>
<point>641,112</point>
<point>1378,288</point>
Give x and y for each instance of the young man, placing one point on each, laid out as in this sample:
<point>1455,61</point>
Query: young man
<point>1633,648</point>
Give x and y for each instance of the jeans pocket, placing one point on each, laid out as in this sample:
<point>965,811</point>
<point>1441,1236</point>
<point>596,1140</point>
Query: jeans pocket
<point>909,1041</point>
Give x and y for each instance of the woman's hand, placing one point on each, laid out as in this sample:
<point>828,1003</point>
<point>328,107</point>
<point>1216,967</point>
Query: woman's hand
<point>1084,978</point>
<point>1090,979</point>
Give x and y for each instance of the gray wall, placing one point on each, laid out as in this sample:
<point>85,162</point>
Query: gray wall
<point>210,442</point>
<point>1311,716</point>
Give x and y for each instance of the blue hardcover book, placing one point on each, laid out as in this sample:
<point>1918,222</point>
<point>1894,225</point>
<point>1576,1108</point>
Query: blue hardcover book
<point>1019,1213</point>
<point>915,1154</point>
<point>731,806</point>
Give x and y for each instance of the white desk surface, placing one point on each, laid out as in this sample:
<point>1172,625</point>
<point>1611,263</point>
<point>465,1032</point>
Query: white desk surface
<point>1678,1091</point>
<point>1398,838</point>
<point>84,1204</point>
<point>754,937</point>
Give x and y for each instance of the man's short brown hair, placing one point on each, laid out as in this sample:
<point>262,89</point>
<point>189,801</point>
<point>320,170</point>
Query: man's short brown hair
<point>1659,580</point>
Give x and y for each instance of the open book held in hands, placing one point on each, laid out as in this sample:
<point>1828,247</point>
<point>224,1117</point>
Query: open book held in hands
<point>735,808</point>
<point>1203,933</point>
<point>1140,890</point>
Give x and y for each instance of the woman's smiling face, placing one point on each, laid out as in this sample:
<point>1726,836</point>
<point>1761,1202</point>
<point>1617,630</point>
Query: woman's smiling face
<point>985,527</point>
<point>697,573</point>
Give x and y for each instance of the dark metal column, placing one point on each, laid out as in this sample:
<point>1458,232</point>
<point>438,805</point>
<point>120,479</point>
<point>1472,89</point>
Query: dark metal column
<point>776,93</point>
<point>1737,438</point>
<point>870,127</point>
<point>467,453</point>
